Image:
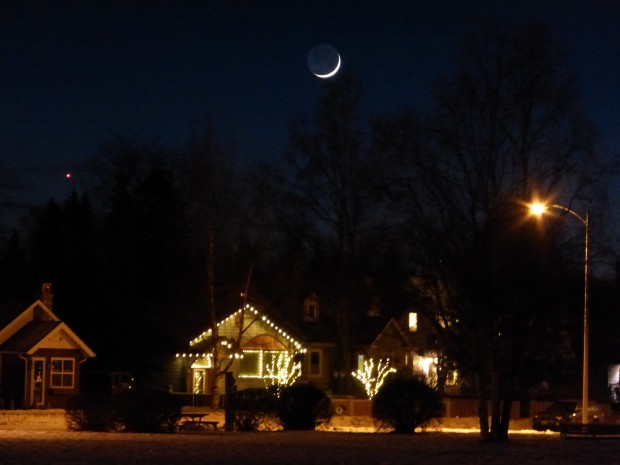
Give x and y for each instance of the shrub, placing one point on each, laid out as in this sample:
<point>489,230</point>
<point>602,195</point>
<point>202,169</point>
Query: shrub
<point>404,403</point>
<point>136,410</point>
<point>303,407</point>
<point>252,407</point>
<point>144,410</point>
<point>88,412</point>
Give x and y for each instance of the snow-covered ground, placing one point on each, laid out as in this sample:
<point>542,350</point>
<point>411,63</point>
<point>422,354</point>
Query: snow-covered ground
<point>46,447</point>
<point>350,442</point>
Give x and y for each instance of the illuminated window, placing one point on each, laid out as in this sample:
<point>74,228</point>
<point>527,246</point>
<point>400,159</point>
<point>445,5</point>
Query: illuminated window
<point>445,321</point>
<point>254,362</point>
<point>250,364</point>
<point>413,322</point>
<point>315,363</point>
<point>453,378</point>
<point>62,372</point>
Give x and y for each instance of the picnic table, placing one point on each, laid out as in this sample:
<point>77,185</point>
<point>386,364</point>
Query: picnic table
<point>193,421</point>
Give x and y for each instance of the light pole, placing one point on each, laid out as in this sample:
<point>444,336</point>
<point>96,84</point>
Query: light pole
<point>538,209</point>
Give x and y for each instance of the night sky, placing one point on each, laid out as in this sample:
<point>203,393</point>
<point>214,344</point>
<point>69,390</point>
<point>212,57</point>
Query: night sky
<point>76,74</point>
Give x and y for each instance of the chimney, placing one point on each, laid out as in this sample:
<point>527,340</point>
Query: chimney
<point>46,295</point>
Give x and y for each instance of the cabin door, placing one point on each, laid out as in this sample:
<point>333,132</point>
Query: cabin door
<point>37,383</point>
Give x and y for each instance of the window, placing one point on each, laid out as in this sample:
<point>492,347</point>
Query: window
<point>249,364</point>
<point>374,308</point>
<point>311,308</point>
<point>62,372</point>
<point>413,322</point>
<point>312,311</point>
<point>315,363</point>
<point>254,363</point>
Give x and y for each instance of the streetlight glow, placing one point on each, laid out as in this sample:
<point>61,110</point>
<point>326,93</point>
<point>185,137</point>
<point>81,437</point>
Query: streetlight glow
<point>537,209</point>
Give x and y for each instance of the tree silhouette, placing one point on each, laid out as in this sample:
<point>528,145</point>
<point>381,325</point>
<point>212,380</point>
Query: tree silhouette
<point>335,193</point>
<point>504,130</point>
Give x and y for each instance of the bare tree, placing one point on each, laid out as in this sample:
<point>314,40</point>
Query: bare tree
<point>223,206</point>
<point>209,182</point>
<point>335,187</point>
<point>505,129</point>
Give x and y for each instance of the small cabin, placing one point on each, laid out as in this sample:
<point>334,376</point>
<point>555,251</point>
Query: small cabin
<point>40,356</point>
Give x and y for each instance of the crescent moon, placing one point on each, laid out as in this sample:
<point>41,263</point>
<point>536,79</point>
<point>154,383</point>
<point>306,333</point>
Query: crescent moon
<point>330,74</point>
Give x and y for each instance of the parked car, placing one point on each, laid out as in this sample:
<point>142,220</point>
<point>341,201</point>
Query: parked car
<point>565,411</point>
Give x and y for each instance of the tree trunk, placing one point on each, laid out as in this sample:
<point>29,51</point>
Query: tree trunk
<point>483,416</point>
<point>216,370</point>
<point>505,423</point>
<point>497,429</point>
<point>483,412</point>
<point>215,389</point>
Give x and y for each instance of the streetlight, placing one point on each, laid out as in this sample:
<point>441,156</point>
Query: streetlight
<point>538,209</point>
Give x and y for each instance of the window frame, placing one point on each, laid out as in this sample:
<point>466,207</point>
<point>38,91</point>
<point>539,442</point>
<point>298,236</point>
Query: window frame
<point>311,309</point>
<point>315,373</point>
<point>62,374</point>
<point>413,321</point>
<point>263,358</point>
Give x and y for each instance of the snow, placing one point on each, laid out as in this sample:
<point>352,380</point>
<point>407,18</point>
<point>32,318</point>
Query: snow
<point>299,448</point>
<point>351,440</point>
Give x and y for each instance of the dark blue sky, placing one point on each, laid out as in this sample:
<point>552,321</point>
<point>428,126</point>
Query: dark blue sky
<point>76,73</point>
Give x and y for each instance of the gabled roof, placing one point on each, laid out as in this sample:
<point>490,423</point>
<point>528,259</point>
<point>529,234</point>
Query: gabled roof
<point>317,333</point>
<point>251,316</point>
<point>28,336</point>
<point>38,327</point>
<point>385,330</point>
<point>14,320</point>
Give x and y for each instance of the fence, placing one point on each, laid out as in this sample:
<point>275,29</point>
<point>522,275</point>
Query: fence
<point>453,407</point>
<point>192,400</point>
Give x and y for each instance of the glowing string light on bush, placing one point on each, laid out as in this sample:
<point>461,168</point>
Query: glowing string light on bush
<point>283,372</point>
<point>372,376</point>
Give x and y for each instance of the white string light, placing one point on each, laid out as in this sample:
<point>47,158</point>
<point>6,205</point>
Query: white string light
<point>296,344</point>
<point>372,378</point>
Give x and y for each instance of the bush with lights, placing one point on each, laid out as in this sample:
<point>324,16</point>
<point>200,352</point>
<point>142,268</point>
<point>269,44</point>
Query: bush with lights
<point>373,375</point>
<point>282,372</point>
<point>303,407</point>
<point>405,403</point>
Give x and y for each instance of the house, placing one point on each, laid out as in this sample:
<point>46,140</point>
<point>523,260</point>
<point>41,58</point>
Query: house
<point>247,340</point>
<point>251,344</point>
<point>40,356</point>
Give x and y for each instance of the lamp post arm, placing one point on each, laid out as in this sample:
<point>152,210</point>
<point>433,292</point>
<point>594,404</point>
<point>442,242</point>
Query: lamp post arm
<point>574,213</point>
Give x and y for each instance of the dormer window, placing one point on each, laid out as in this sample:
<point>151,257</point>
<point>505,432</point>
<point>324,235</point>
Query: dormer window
<point>311,308</point>
<point>374,308</point>
<point>413,322</point>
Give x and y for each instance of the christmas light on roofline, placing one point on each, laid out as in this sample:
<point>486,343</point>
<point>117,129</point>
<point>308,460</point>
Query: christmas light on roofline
<point>264,318</point>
